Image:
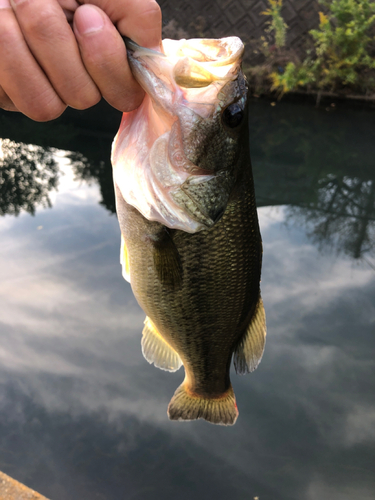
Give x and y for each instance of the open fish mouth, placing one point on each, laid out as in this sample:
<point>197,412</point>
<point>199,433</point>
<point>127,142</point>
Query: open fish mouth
<point>158,155</point>
<point>194,63</point>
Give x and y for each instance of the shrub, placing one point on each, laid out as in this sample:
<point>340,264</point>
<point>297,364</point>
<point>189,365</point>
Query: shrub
<point>276,25</point>
<point>342,44</point>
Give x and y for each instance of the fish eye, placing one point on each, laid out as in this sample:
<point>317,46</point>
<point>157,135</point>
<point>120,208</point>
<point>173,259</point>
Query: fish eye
<point>233,115</point>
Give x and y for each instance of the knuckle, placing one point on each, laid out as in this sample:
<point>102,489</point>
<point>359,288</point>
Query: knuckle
<point>85,101</point>
<point>45,25</point>
<point>6,103</point>
<point>46,113</point>
<point>126,99</point>
<point>42,104</point>
<point>152,12</point>
<point>128,103</point>
<point>46,116</point>
<point>152,9</point>
<point>79,94</point>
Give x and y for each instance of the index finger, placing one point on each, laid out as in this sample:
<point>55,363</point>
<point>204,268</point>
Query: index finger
<point>139,20</point>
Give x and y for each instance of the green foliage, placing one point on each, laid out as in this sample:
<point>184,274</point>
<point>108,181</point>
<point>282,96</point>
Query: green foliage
<point>342,43</point>
<point>293,77</point>
<point>276,25</point>
<point>270,49</point>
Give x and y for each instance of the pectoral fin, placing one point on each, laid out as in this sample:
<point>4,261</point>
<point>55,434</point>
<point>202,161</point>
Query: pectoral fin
<point>205,197</point>
<point>249,351</point>
<point>124,260</point>
<point>156,350</point>
<point>167,260</point>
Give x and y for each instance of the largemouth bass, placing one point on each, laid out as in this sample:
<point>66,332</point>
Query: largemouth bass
<point>191,246</point>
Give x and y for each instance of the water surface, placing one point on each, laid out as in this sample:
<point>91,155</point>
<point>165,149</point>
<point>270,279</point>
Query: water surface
<point>83,415</point>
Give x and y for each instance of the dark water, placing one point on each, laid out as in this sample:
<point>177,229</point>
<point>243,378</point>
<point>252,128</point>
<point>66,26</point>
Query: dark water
<point>83,415</point>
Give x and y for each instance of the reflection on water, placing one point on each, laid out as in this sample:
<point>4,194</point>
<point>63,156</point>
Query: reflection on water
<point>313,160</point>
<point>86,135</point>
<point>322,166</point>
<point>97,171</point>
<point>84,416</point>
<point>342,217</point>
<point>27,174</point>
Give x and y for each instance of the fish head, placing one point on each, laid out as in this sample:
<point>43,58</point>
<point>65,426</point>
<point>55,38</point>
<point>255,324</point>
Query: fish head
<point>176,158</point>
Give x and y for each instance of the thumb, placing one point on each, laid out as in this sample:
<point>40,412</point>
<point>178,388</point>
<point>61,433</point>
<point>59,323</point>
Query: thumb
<point>104,55</point>
<point>139,20</point>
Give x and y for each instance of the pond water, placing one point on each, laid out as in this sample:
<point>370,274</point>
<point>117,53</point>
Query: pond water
<point>83,415</point>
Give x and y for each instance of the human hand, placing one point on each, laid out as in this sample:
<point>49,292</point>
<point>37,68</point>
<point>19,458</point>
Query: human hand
<point>46,66</point>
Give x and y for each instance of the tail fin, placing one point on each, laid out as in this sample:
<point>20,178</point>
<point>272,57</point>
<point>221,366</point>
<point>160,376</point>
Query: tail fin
<point>187,406</point>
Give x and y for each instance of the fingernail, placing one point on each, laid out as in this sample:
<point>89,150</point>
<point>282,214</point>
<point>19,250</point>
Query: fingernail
<point>5,4</point>
<point>88,19</point>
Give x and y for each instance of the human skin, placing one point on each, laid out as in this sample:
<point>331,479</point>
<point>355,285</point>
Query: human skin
<point>59,53</point>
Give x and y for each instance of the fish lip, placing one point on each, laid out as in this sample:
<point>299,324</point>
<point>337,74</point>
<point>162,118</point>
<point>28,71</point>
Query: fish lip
<point>129,43</point>
<point>136,55</point>
<point>132,47</point>
<point>185,63</point>
<point>141,60</point>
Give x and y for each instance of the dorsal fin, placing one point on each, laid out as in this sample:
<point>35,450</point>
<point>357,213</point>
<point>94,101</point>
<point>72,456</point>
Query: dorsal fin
<point>156,350</point>
<point>249,350</point>
<point>124,260</point>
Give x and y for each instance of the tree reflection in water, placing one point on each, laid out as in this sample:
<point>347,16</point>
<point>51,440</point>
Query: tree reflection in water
<point>96,171</point>
<point>27,174</point>
<point>342,217</point>
<point>318,163</point>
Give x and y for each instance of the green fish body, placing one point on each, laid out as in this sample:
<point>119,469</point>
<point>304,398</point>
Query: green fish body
<point>193,251</point>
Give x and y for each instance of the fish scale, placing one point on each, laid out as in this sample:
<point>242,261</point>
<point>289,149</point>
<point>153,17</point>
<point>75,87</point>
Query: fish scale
<point>219,285</point>
<point>200,288</point>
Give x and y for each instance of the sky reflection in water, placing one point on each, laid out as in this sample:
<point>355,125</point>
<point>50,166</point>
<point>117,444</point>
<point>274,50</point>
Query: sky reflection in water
<point>83,415</point>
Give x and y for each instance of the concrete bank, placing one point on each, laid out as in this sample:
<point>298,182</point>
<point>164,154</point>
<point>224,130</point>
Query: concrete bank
<point>10,489</point>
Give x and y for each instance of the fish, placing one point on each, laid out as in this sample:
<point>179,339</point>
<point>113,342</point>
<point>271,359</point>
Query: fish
<point>190,240</point>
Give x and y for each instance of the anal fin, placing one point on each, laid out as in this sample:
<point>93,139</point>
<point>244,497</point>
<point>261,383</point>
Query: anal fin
<point>249,350</point>
<point>124,260</point>
<point>156,350</point>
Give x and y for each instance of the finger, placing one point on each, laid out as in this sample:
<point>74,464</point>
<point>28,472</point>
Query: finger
<point>71,5</point>
<point>104,55</point>
<point>68,7</point>
<point>69,15</point>
<point>53,45</point>
<point>139,20</point>
<point>21,78</point>
<point>5,102</point>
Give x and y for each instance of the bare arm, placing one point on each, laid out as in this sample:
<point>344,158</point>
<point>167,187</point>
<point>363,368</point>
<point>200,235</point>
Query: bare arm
<point>45,65</point>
